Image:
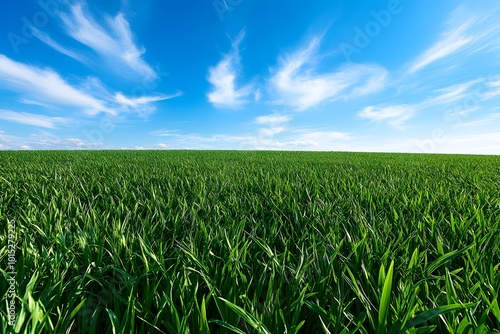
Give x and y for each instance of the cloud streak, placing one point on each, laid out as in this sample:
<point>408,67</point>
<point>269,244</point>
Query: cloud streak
<point>45,38</point>
<point>45,85</point>
<point>32,119</point>
<point>298,84</point>
<point>458,99</point>
<point>142,104</point>
<point>223,78</point>
<point>272,119</point>
<point>44,140</point>
<point>46,88</point>
<point>464,34</point>
<point>395,115</point>
<point>112,40</point>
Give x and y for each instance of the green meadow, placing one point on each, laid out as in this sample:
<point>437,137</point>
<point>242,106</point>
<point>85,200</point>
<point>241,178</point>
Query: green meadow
<point>249,242</point>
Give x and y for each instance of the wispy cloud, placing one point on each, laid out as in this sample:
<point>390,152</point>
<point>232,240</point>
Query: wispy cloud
<point>465,33</point>
<point>321,136</point>
<point>36,103</point>
<point>494,88</point>
<point>47,140</point>
<point>223,77</point>
<point>112,40</point>
<point>453,93</point>
<point>45,38</point>
<point>273,137</point>
<point>46,86</point>
<point>2,139</point>
<point>457,99</point>
<point>32,119</point>
<point>275,125</point>
<point>142,104</point>
<point>256,141</point>
<point>43,140</point>
<point>465,97</point>
<point>272,119</point>
<point>270,131</point>
<point>479,143</point>
<point>489,119</point>
<point>395,115</point>
<point>484,143</point>
<point>298,84</point>
<point>178,139</point>
<point>451,41</point>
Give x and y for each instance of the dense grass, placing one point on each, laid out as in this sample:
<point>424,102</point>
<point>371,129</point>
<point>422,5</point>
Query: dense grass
<point>247,242</point>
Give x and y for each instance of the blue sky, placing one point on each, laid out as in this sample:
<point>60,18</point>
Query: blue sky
<point>392,76</point>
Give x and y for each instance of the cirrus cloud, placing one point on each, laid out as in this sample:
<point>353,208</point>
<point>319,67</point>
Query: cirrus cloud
<point>298,83</point>
<point>223,77</point>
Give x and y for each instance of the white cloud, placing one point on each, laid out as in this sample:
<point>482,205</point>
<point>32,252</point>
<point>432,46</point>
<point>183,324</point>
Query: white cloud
<point>262,139</point>
<point>450,42</point>
<point>321,136</point>
<point>273,144</point>
<point>275,125</point>
<point>46,88</point>
<point>44,140</point>
<point>32,119</point>
<point>193,138</point>
<point>492,88</point>
<point>4,139</point>
<point>36,103</point>
<point>257,141</point>
<point>142,101</point>
<point>225,93</point>
<point>482,143</point>
<point>297,84</point>
<point>45,38</point>
<point>45,85</point>
<point>75,141</point>
<point>164,133</point>
<point>458,99</point>
<point>271,131</point>
<point>257,95</point>
<point>113,41</point>
<point>396,115</point>
<point>272,119</point>
<point>465,97</point>
<point>453,93</point>
<point>48,141</point>
<point>465,34</point>
<point>489,119</point>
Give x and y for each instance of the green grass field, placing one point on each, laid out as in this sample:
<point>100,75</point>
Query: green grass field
<point>250,242</point>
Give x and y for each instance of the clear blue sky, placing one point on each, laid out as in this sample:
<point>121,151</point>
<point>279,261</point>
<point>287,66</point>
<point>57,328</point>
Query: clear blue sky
<point>403,76</point>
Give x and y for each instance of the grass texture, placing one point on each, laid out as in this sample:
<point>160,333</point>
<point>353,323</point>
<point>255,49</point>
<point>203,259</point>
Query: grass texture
<point>250,242</point>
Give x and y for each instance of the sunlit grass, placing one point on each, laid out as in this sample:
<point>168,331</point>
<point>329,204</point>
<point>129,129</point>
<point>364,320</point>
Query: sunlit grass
<point>251,242</point>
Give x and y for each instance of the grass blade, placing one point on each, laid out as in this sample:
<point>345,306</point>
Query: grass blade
<point>385,300</point>
<point>432,313</point>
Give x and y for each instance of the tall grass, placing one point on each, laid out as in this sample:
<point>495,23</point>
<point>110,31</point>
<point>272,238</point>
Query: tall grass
<point>246,242</point>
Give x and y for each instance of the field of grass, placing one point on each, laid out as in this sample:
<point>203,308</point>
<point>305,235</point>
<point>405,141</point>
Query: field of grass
<point>250,242</point>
